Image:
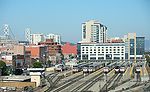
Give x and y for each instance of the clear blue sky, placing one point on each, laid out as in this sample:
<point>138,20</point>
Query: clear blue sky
<point>64,17</point>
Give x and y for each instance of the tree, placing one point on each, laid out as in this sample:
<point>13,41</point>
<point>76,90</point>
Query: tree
<point>147,59</point>
<point>3,67</point>
<point>37,65</point>
<point>49,62</point>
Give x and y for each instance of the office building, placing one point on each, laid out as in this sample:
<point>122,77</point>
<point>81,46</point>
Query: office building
<point>93,31</point>
<point>36,38</point>
<point>56,38</point>
<point>101,51</point>
<point>135,46</point>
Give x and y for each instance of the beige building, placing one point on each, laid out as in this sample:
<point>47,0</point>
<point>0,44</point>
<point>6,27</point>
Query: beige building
<point>19,49</point>
<point>94,31</point>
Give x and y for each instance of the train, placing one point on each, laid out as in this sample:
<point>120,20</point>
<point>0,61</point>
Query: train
<point>60,67</point>
<point>109,67</point>
<point>94,66</point>
<point>91,67</point>
<point>121,67</point>
<point>79,67</point>
<point>87,67</point>
<point>118,66</point>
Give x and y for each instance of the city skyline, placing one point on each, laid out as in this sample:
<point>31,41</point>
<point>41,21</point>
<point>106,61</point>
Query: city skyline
<point>65,17</point>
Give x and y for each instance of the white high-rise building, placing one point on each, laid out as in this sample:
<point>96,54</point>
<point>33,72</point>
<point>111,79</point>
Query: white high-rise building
<point>56,38</point>
<point>93,31</point>
<point>36,38</point>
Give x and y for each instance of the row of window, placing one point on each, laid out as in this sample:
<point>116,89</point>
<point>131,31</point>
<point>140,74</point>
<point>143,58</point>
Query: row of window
<point>102,52</point>
<point>104,47</point>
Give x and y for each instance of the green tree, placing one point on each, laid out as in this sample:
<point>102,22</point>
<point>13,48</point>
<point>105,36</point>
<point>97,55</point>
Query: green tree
<point>3,67</point>
<point>37,65</point>
<point>49,62</point>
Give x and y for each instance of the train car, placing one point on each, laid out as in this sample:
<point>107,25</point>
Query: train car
<point>85,68</point>
<point>106,69</point>
<point>93,67</point>
<point>137,69</point>
<point>123,67</point>
<point>78,67</point>
<point>117,69</point>
<point>60,67</point>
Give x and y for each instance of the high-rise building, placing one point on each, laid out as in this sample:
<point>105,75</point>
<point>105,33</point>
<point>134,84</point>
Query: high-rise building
<point>56,38</point>
<point>36,38</point>
<point>93,31</point>
<point>134,46</point>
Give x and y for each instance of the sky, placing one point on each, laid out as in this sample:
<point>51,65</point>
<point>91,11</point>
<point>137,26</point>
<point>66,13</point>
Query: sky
<point>64,17</point>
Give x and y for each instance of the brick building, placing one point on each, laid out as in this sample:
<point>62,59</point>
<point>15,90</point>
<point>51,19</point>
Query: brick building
<point>54,50</point>
<point>37,52</point>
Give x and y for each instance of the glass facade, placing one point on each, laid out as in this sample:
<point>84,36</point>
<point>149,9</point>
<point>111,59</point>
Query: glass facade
<point>132,46</point>
<point>140,45</point>
<point>79,51</point>
<point>84,32</point>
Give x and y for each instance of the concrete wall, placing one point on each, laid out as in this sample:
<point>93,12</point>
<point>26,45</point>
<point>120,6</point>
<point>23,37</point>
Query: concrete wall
<point>17,84</point>
<point>36,79</point>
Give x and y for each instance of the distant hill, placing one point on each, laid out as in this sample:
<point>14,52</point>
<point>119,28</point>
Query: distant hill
<point>147,45</point>
<point>66,42</point>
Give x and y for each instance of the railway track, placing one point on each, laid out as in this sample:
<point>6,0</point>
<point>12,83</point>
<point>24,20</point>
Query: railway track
<point>108,83</point>
<point>63,85</point>
<point>90,84</point>
<point>93,80</point>
<point>115,83</point>
<point>148,70</point>
<point>75,86</point>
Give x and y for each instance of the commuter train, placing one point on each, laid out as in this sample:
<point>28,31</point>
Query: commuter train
<point>85,68</point>
<point>109,67</point>
<point>94,66</point>
<point>118,66</point>
<point>79,67</point>
<point>60,67</point>
<point>121,67</point>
